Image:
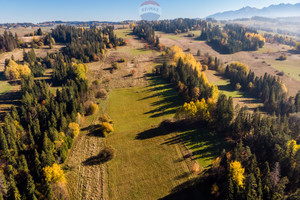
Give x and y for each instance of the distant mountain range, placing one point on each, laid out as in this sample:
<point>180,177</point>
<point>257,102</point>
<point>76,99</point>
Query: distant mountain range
<point>273,11</point>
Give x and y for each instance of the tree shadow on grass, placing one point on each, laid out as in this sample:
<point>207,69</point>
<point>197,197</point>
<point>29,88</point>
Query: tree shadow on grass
<point>93,131</point>
<point>168,102</point>
<point>193,189</point>
<point>104,156</point>
<point>165,128</point>
<point>204,144</point>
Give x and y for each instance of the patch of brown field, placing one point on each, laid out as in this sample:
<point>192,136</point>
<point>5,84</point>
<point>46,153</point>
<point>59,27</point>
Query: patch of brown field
<point>123,77</point>
<point>30,38</point>
<point>86,181</point>
<point>253,59</point>
<point>21,31</point>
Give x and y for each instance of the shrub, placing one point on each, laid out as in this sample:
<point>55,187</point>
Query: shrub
<point>282,57</point>
<point>238,66</point>
<point>54,174</point>
<point>105,118</point>
<point>204,67</point>
<point>101,94</point>
<point>212,65</point>
<point>91,108</point>
<point>133,72</point>
<point>238,86</point>
<point>103,128</point>
<point>105,155</point>
<point>122,60</point>
<point>115,66</point>
<point>280,73</point>
<point>73,129</point>
<point>106,128</point>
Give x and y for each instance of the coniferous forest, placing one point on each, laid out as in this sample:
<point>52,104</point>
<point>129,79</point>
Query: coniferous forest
<point>36,137</point>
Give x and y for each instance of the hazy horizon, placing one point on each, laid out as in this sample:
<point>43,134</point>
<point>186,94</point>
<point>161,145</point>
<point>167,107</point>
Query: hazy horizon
<point>34,11</point>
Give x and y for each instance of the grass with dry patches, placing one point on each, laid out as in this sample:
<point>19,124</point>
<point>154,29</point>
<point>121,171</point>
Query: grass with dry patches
<point>145,167</point>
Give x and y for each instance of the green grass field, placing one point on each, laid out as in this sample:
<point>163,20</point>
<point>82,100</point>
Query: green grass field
<point>144,168</point>
<point>290,67</point>
<point>135,52</point>
<point>205,145</point>
<point>168,35</point>
<point>149,160</point>
<point>225,88</point>
<point>266,49</point>
<point>178,36</point>
<point>123,33</point>
<point>5,87</point>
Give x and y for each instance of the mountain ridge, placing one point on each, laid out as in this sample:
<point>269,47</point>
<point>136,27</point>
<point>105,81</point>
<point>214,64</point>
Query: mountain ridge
<point>272,11</point>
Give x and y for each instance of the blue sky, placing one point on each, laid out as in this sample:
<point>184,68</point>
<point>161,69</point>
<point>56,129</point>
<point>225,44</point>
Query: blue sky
<point>116,10</point>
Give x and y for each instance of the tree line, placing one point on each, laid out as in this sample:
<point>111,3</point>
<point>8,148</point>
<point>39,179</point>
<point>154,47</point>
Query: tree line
<point>231,38</point>
<point>36,136</point>
<point>281,39</point>
<point>144,30</point>
<point>8,42</point>
<point>268,88</point>
<point>86,45</point>
<point>186,74</point>
<point>263,161</point>
<point>177,26</point>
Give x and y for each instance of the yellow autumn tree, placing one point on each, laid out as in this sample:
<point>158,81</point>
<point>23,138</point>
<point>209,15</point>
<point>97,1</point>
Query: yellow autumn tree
<point>74,129</point>
<point>194,110</point>
<point>239,66</point>
<point>15,71</point>
<point>202,110</point>
<point>177,53</point>
<point>187,111</point>
<point>107,127</point>
<point>132,25</point>
<point>80,70</point>
<point>256,37</point>
<point>54,174</point>
<point>237,173</point>
<point>292,148</point>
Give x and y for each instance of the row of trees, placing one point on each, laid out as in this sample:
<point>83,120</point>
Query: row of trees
<point>8,42</point>
<point>281,39</point>
<point>265,162</point>
<point>231,38</point>
<point>186,75</point>
<point>144,30</point>
<point>86,44</point>
<point>268,88</point>
<point>178,25</point>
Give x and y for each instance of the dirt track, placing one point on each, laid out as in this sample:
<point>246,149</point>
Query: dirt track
<point>85,181</point>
